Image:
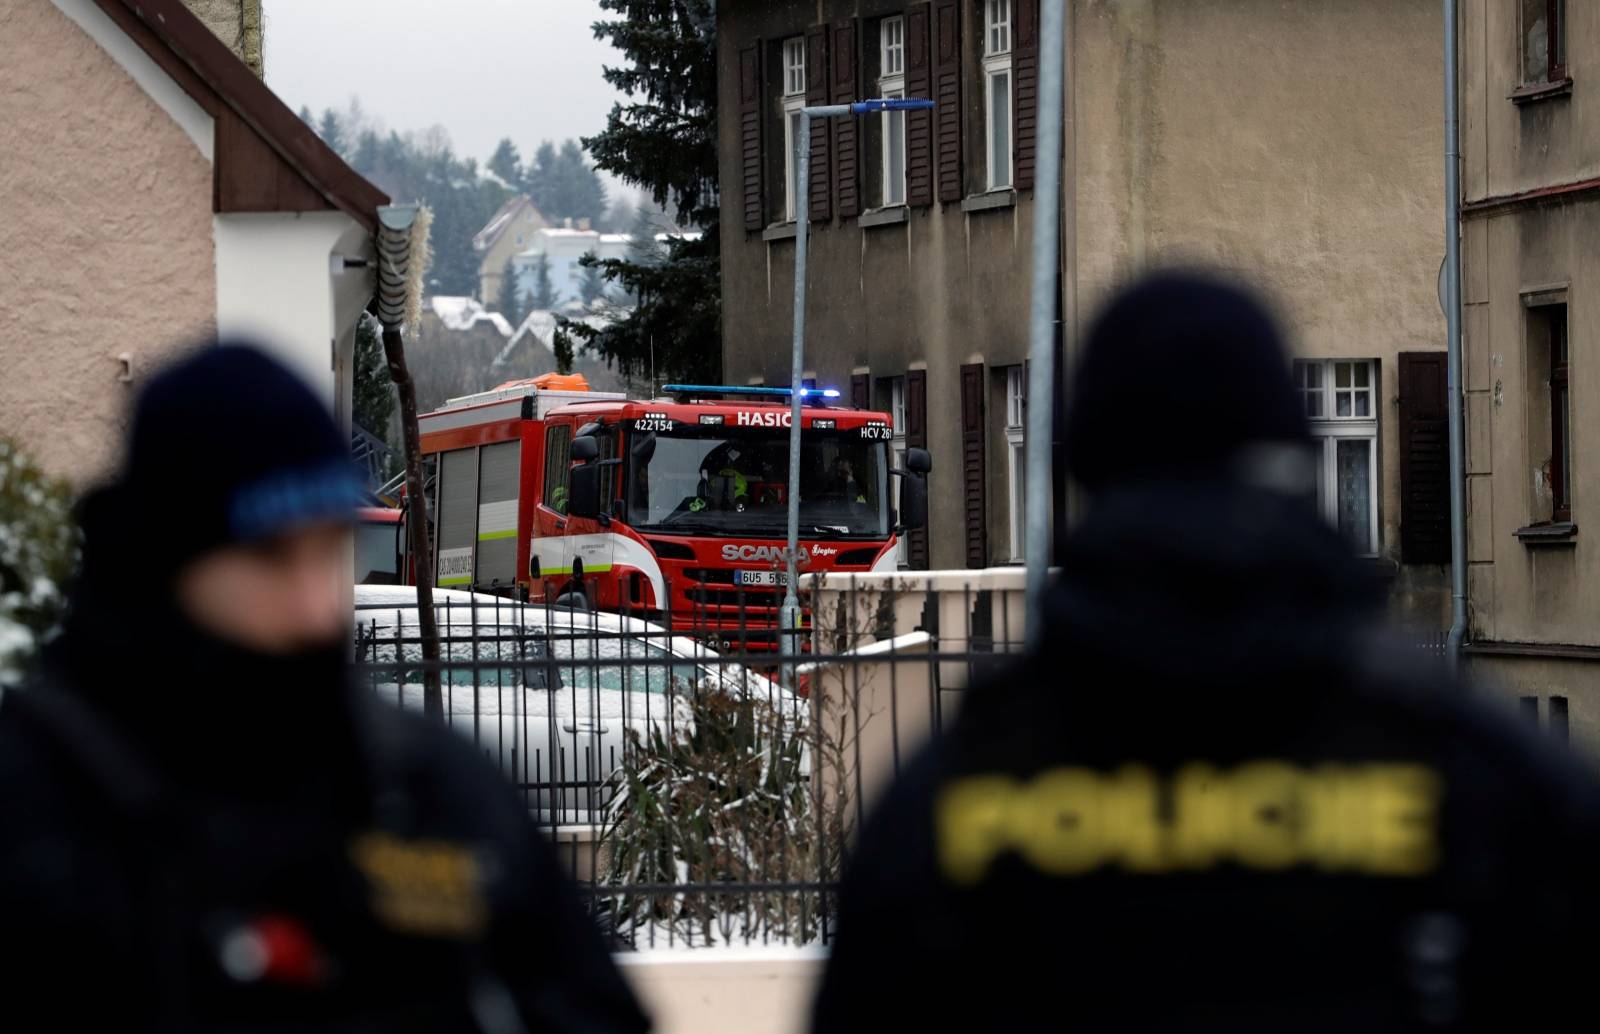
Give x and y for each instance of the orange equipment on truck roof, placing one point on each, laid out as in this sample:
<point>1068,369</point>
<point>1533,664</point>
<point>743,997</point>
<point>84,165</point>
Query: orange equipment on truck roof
<point>549,382</point>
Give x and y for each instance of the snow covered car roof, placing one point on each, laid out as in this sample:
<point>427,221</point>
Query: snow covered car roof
<point>457,609</point>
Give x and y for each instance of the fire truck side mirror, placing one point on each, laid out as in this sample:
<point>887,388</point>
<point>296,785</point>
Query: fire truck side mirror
<point>585,449</point>
<point>913,500</point>
<point>918,461</point>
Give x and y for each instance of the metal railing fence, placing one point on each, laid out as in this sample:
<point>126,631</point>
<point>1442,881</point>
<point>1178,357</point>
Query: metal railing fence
<point>696,800</point>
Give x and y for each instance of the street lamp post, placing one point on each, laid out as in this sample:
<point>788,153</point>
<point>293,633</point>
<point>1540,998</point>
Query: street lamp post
<point>789,614</point>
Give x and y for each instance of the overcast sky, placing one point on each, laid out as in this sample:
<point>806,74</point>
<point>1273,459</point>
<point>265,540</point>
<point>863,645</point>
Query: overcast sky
<point>527,69</point>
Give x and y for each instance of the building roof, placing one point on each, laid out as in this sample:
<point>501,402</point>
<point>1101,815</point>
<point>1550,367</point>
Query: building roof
<point>540,326</point>
<point>459,312</point>
<point>501,221</point>
<point>265,158</point>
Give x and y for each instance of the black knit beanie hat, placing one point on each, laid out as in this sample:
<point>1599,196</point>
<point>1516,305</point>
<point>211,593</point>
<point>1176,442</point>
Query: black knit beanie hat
<point>1181,374</point>
<point>227,447</point>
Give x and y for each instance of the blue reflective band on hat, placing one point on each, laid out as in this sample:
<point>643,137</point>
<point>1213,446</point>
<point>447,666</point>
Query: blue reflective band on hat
<point>295,498</point>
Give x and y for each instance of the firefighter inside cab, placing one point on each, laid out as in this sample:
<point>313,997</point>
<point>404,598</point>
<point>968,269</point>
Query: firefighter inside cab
<point>723,483</point>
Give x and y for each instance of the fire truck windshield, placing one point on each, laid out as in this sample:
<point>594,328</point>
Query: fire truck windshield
<point>722,480</point>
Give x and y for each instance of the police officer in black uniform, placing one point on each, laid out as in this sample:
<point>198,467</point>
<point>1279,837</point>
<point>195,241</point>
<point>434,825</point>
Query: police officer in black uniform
<point>1213,799</point>
<point>204,826</point>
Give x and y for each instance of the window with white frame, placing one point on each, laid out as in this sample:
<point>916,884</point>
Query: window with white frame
<point>997,92</point>
<point>1016,463</point>
<point>897,446</point>
<point>892,83</point>
<point>1341,404</point>
<point>794,98</point>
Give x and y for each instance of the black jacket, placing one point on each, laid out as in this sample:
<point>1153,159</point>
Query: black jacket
<point>196,838</point>
<point>1214,801</point>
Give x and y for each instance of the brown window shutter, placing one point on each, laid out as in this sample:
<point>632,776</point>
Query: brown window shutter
<point>972,456</point>
<point>947,95</point>
<point>821,177</point>
<point>846,132</point>
<point>1024,91</point>
<point>917,438</point>
<point>861,390</point>
<point>1424,459</point>
<point>750,80</point>
<point>919,124</point>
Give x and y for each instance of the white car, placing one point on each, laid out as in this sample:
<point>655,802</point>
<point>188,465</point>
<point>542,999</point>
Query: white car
<point>546,692</point>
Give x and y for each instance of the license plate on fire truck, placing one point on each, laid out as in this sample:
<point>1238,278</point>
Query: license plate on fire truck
<point>773,578</point>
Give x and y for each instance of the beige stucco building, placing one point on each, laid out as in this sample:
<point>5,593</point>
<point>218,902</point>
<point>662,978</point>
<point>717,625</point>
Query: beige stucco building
<point>156,192</point>
<point>502,237</point>
<point>1530,96</point>
<point>1295,145</point>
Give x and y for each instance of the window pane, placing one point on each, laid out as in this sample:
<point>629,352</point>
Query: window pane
<point>794,63</point>
<point>557,443</point>
<point>1319,460</point>
<point>1019,501</point>
<point>1341,403</point>
<point>1355,491</point>
<point>999,130</point>
<point>894,167</point>
<point>998,19</point>
<point>1563,425</point>
<point>1535,42</point>
<point>1308,375</point>
<point>1363,403</point>
<point>1341,375</point>
<point>1361,370</point>
<point>1561,33</point>
<point>794,162</point>
<point>893,58</point>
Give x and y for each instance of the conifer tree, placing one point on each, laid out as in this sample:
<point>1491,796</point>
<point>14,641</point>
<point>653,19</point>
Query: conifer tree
<point>543,295</point>
<point>511,300</point>
<point>664,139</point>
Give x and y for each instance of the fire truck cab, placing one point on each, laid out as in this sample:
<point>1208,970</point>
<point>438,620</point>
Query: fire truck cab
<point>674,508</point>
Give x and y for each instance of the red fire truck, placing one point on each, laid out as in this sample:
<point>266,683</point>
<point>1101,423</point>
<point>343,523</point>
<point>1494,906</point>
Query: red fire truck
<point>674,508</point>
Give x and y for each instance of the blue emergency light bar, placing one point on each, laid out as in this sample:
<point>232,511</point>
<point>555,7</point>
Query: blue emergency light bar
<point>747,389</point>
<point>890,104</point>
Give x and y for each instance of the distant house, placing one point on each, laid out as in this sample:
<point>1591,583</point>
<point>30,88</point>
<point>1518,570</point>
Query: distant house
<point>563,247</point>
<point>510,231</point>
<point>158,192</point>
<point>531,352</point>
<point>462,314</point>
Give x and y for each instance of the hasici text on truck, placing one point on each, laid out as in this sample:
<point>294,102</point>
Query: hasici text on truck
<point>674,508</point>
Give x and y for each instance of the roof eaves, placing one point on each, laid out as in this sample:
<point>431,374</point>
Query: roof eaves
<point>232,83</point>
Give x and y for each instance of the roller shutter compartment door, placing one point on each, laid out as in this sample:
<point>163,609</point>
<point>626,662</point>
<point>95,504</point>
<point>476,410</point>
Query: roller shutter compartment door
<point>458,516</point>
<point>498,467</point>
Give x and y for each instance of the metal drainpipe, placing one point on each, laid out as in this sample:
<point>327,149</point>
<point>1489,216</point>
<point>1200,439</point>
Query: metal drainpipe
<point>1046,295</point>
<point>394,273</point>
<point>1452,253</point>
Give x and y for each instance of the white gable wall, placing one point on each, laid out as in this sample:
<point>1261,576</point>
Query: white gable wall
<point>282,281</point>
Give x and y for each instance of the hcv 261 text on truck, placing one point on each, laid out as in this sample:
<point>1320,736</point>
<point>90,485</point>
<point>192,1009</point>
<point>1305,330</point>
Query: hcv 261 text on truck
<point>673,508</point>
